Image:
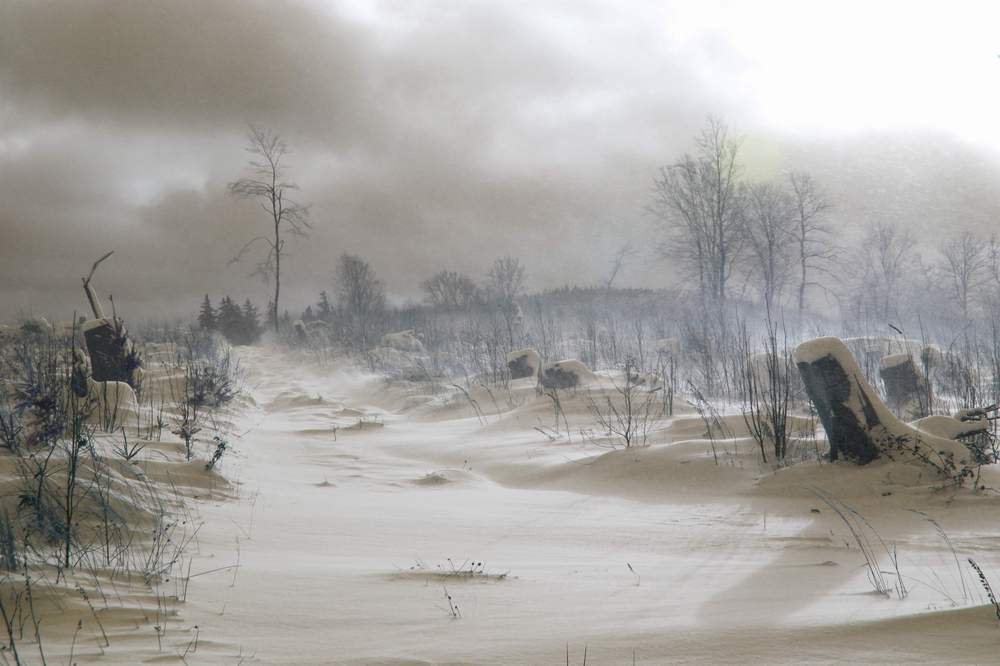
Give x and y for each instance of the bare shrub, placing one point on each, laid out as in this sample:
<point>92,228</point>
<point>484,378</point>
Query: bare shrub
<point>630,413</point>
<point>765,390</point>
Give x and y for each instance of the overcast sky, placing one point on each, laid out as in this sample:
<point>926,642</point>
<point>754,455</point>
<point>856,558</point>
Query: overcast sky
<point>435,135</point>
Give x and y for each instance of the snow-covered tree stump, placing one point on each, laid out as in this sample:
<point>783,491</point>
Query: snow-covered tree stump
<point>113,357</point>
<point>844,409</point>
<point>858,424</point>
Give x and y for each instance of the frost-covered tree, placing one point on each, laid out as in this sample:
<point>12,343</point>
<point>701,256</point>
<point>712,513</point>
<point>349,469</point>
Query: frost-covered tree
<point>812,236</point>
<point>505,283</point>
<point>250,329</point>
<point>324,309</point>
<point>361,296</point>
<point>698,206</point>
<point>887,256</point>
<point>265,184</point>
<point>769,230</point>
<point>449,289</point>
<point>965,261</point>
<point>230,319</point>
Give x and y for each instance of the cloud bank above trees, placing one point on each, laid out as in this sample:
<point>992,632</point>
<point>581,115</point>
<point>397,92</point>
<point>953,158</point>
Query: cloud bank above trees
<point>431,135</point>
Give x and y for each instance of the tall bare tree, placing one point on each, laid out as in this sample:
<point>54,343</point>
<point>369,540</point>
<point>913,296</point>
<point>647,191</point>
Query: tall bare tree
<point>698,205</point>
<point>505,283</point>
<point>886,252</point>
<point>815,251</point>
<point>770,219</point>
<point>265,184</point>
<point>966,262</point>
<point>448,289</point>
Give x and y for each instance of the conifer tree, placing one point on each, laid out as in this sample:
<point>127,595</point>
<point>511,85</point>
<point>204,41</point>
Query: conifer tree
<point>324,310</point>
<point>230,319</point>
<point>251,323</point>
<point>207,317</point>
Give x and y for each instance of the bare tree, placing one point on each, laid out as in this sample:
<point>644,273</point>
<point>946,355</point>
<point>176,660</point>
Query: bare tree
<point>505,284</point>
<point>887,251</point>
<point>361,295</point>
<point>265,184</point>
<point>811,235</point>
<point>966,261</point>
<point>769,228</point>
<point>449,289</point>
<point>698,205</point>
<point>618,263</point>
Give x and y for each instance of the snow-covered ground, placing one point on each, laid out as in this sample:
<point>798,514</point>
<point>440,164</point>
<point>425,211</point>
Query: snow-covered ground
<point>347,539</point>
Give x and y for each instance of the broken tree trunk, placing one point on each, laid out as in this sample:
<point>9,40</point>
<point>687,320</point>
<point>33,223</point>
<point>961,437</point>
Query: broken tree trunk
<point>95,302</point>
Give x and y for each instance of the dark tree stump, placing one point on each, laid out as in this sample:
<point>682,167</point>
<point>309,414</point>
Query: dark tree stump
<point>112,356</point>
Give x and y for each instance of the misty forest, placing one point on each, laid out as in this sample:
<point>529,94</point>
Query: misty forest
<point>499,333</point>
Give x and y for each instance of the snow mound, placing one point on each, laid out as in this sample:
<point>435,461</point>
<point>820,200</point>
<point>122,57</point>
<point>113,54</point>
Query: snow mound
<point>893,361</point>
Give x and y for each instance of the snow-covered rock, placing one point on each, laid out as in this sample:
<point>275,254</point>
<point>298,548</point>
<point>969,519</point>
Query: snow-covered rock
<point>63,329</point>
<point>569,373</point>
<point>647,380</point>
<point>907,390</point>
<point>37,325</point>
<point>403,341</point>
<point>8,334</point>
<point>523,363</point>
<point>880,346</point>
<point>668,346</point>
<point>950,427</point>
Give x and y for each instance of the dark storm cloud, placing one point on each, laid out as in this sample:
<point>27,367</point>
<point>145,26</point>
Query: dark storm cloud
<point>184,63</point>
<point>429,135</point>
<point>426,135</point>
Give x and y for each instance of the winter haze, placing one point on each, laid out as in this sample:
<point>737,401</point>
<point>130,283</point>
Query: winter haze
<point>500,333</point>
<point>445,134</point>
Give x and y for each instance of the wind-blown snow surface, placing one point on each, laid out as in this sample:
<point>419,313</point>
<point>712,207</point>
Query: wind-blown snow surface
<point>339,535</point>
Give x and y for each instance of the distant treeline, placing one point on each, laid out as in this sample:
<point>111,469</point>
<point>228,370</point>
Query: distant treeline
<point>240,325</point>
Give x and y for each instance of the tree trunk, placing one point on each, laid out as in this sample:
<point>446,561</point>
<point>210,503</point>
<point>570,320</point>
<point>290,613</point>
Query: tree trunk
<point>277,271</point>
<point>802,263</point>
